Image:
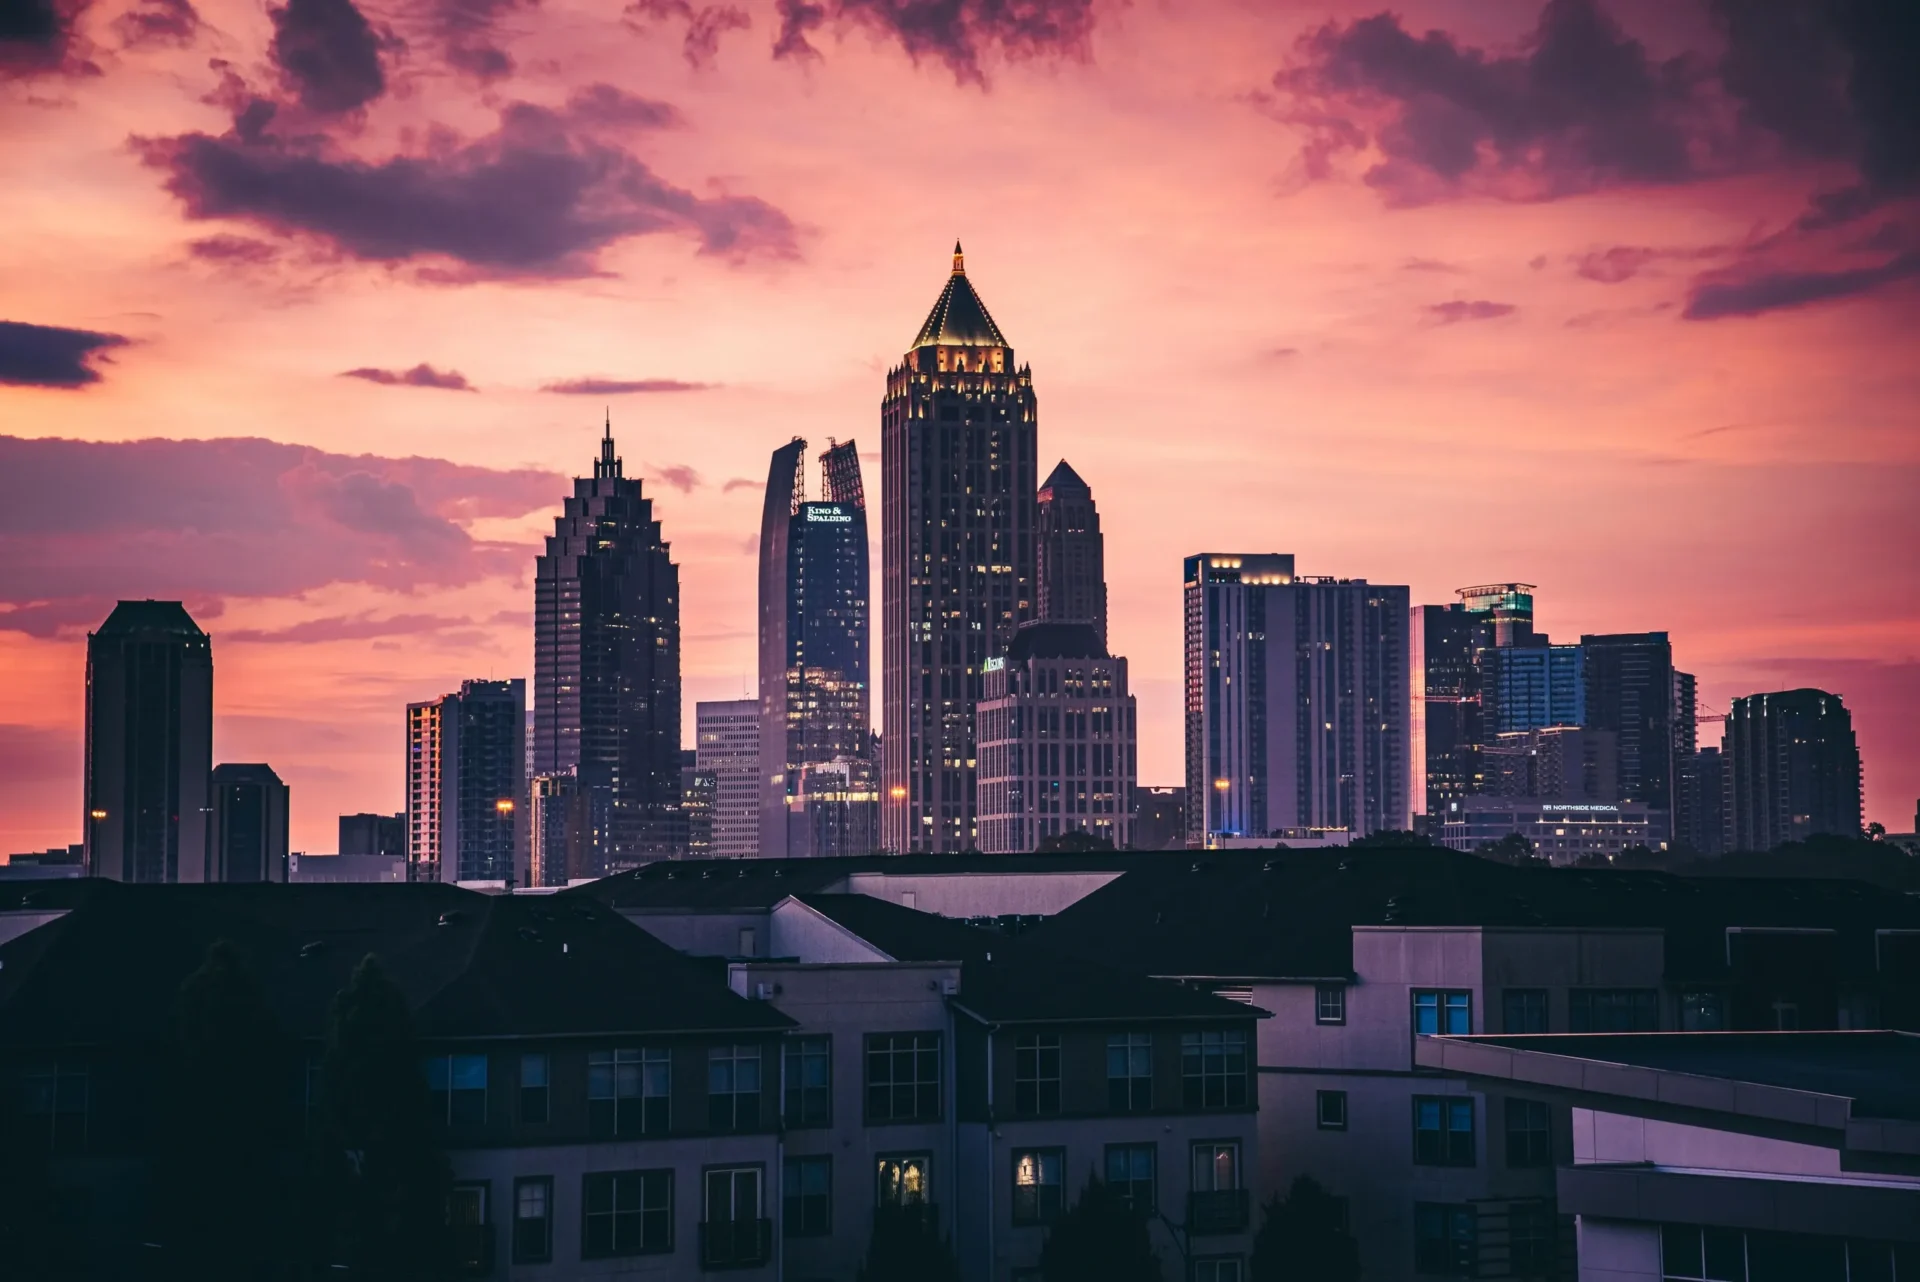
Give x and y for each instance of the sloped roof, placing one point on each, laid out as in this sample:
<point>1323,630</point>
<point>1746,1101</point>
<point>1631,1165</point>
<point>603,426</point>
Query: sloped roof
<point>959,318</point>
<point>1063,477</point>
<point>471,965</point>
<point>1009,979</point>
<point>130,617</point>
<point>1056,639</point>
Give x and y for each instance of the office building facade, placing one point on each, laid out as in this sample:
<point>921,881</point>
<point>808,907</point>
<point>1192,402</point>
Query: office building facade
<point>149,744</point>
<point>1297,696</point>
<point>1557,763</point>
<point>1072,560</point>
<point>1629,692</point>
<point>727,738</point>
<point>1446,641</point>
<point>814,627</point>
<point>369,834</point>
<point>1530,687</point>
<point>959,442</point>
<point>606,656</point>
<point>465,802</point>
<point>1057,741</point>
<point>833,808</point>
<point>559,831</point>
<point>1793,769</point>
<point>246,824</point>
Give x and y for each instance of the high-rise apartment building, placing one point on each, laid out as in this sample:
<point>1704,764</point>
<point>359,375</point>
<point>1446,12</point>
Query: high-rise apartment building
<point>465,754</point>
<point>369,834</point>
<point>247,824</point>
<point>1072,555</point>
<point>149,746</point>
<point>1555,763</point>
<point>696,803</point>
<point>1057,741</point>
<point>814,653</point>
<point>559,831</point>
<point>1296,700</point>
<point>1531,687</point>
<point>958,448</point>
<point>1629,691</point>
<point>606,656</point>
<point>727,735</point>
<point>1446,641</point>
<point>833,808</point>
<point>1700,802</point>
<point>1793,769</point>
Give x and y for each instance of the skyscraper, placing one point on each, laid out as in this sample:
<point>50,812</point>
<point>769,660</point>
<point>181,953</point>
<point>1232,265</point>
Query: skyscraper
<point>367,834</point>
<point>1072,555</point>
<point>247,824</point>
<point>958,448</point>
<point>1296,700</point>
<point>1057,741</point>
<point>149,744</point>
<point>1629,690</point>
<point>559,830</point>
<point>1793,769</point>
<point>1531,687</point>
<point>814,653</point>
<point>727,735</point>
<point>606,676</point>
<point>465,803</point>
<point>1446,642</point>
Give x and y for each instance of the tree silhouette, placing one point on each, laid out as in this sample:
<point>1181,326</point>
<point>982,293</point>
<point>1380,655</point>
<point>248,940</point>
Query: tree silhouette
<point>1100,1236</point>
<point>906,1248</point>
<point>389,1177</point>
<point>1303,1238</point>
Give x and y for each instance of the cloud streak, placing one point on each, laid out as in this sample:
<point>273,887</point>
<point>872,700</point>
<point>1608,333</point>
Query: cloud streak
<point>620,386</point>
<point>1771,291</point>
<point>422,375</point>
<point>1478,309</point>
<point>52,356</point>
<point>960,34</point>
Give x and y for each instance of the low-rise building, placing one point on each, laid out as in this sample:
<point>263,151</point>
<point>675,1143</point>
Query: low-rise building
<point>1562,832</point>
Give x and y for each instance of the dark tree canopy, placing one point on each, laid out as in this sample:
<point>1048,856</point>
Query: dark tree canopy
<point>1102,1237</point>
<point>1303,1238</point>
<point>906,1248</point>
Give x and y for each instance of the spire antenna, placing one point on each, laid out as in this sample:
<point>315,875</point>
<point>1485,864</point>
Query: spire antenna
<point>959,260</point>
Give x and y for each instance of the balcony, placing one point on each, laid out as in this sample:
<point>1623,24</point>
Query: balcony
<point>1221,1211</point>
<point>736,1244</point>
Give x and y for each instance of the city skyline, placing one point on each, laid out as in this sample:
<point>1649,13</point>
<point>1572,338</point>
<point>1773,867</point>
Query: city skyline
<point>1260,354</point>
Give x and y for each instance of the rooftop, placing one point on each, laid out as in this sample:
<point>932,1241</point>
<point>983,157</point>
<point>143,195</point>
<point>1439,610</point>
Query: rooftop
<point>959,318</point>
<point>1056,640</point>
<point>165,617</point>
<point>1063,477</point>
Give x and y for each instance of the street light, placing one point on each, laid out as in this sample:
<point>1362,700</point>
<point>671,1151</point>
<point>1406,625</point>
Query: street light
<point>96,815</point>
<point>504,806</point>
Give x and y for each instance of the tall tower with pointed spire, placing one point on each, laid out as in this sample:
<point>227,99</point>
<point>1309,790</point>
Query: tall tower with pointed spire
<point>958,458</point>
<point>1072,556</point>
<point>606,661</point>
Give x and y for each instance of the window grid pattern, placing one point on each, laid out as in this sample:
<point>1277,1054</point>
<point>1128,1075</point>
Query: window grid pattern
<point>903,1077</point>
<point>1038,1188</point>
<point>628,1090</point>
<point>1443,1130</point>
<point>535,1093</point>
<point>533,1220</point>
<point>1130,1072</point>
<point>809,1081</point>
<point>1613,1010</point>
<point>1131,1176</point>
<point>1523,1010</point>
<point>1330,1004</point>
<point>1529,1133</point>
<point>1330,1110</point>
<point>1036,1074</point>
<point>626,1213</point>
<point>807,1190</point>
<point>458,1084</point>
<point>733,1088</point>
<point>1442,1011</point>
<point>1445,1239</point>
<point>1213,1069</point>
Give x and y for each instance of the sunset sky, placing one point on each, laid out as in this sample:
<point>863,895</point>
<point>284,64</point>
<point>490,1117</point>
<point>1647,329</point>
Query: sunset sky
<point>310,311</point>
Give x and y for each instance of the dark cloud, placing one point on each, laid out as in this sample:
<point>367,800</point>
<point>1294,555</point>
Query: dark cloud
<point>957,33</point>
<point>50,356</point>
<point>679,476</point>
<point>740,483</point>
<point>328,54</point>
<point>535,198</point>
<point>158,22</point>
<point>620,387</point>
<point>1620,263</point>
<point>1581,106</point>
<point>207,520</point>
<point>1452,313</point>
<point>467,35</point>
<point>41,38</point>
<point>1717,297</point>
<point>422,375</point>
<point>705,24</point>
<point>1430,265</point>
<point>233,249</point>
<point>346,627</point>
<point>604,104</point>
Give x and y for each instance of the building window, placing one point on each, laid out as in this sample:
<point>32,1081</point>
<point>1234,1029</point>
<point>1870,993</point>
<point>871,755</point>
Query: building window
<point>807,1187</point>
<point>1216,1167</point>
<point>1130,1174</point>
<point>1217,1268</point>
<point>1786,1017</point>
<point>1037,1187</point>
<point>626,1213</point>
<point>55,1102</point>
<point>1213,1069</point>
<point>733,1088</point>
<point>627,1091</point>
<point>1448,1011</point>
<point>535,1098</point>
<point>1036,1074</point>
<point>1693,1253</point>
<point>1533,1240</point>
<point>733,1195</point>
<point>1444,1240</point>
<point>1443,1130</point>
<point>903,1077</point>
<point>533,1220</point>
<point>470,1234</point>
<point>1130,1072</point>
<point>1613,1010</point>
<point>809,1074</point>
<point>1330,1004</point>
<point>1524,1010</point>
<point>459,1087</point>
<point>1702,1012</point>
<point>904,1179</point>
<point>1529,1133</point>
<point>1330,1110</point>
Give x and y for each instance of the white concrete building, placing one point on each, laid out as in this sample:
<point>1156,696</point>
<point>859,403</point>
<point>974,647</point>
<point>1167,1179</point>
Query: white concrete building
<point>727,746</point>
